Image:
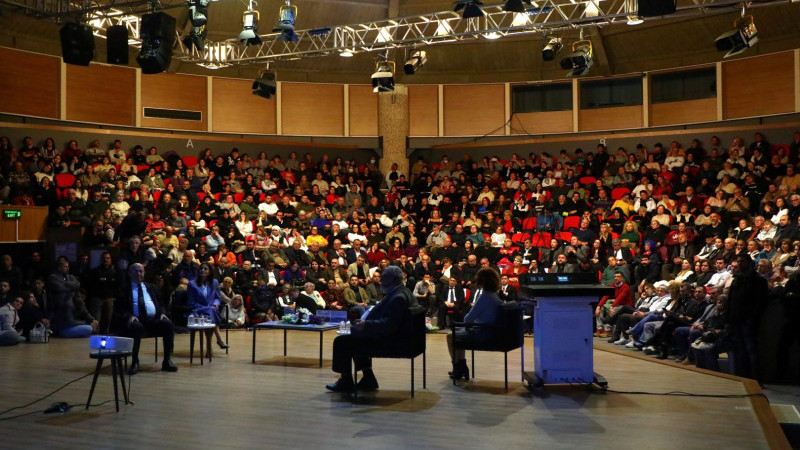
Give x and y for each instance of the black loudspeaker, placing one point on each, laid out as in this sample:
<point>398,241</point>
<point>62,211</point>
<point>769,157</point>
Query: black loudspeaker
<point>654,8</point>
<point>77,44</point>
<point>117,44</point>
<point>158,36</point>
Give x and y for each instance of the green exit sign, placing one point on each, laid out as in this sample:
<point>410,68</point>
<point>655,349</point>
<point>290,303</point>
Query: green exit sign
<point>12,214</point>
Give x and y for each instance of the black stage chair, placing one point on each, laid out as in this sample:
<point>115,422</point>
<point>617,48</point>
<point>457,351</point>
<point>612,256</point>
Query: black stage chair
<point>507,335</point>
<point>408,342</point>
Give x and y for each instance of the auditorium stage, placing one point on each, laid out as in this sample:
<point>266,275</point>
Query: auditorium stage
<point>282,403</point>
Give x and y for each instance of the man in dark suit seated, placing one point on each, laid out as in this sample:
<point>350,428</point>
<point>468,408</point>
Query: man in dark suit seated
<point>451,298</point>
<point>384,320</point>
<point>139,314</point>
<point>507,292</point>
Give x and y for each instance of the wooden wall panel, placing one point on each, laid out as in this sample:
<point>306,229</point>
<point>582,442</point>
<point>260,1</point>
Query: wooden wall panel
<point>236,110</point>
<point>617,118</point>
<point>101,94</point>
<point>423,110</point>
<point>170,91</point>
<point>471,110</point>
<point>363,111</point>
<point>688,111</point>
<point>31,225</point>
<point>758,86</point>
<point>312,109</point>
<point>542,122</point>
<point>30,85</point>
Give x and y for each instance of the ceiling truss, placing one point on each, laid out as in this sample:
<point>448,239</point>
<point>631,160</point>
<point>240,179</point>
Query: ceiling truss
<point>543,18</point>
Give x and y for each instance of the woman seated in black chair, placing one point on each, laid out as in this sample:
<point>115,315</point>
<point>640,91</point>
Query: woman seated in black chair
<point>483,312</point>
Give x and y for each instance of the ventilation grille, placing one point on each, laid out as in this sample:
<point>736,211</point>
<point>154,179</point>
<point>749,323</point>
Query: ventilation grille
<point>178,114</point>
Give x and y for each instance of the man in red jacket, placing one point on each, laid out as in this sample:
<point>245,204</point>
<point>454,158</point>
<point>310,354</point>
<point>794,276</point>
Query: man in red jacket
<point>606,312</point>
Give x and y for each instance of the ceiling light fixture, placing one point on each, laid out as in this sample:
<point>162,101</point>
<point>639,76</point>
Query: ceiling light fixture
<point>515,6</point>
<point>286,16</point>
<point>417,59</point>
<point>383,78</point>
<point>550,49</point>
<point>742,37</point>
<point>249,34</point>
<point>472,8</point>
<point>265,85</point>
<point>580,60</point>
<point>632,11</point>
<point>198,12</point>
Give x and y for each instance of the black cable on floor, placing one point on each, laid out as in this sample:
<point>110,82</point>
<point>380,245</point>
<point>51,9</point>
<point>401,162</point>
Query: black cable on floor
<point>48,395</point>
<point>687,394</point>
<point>42,412</point>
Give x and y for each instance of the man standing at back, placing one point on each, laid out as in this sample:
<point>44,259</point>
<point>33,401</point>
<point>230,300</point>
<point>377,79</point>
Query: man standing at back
<point>746,303</point>
<point>383,321</point>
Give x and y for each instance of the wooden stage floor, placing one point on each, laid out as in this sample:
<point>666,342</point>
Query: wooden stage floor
<point>282,403</point>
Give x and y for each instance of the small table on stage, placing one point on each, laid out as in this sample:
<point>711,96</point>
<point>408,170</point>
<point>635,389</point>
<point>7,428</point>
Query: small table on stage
<point>194,329</point>
<point>115,356</point>
<point>278,325</point>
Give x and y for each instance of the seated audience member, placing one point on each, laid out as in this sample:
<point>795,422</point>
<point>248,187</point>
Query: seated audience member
<point>356,296</point>
<point>139,313</point>
<point>483,312</point>
<point>10,334</point>
<point>234,315</point>
<point>451,301</point>
<point>382,321</point>
<point>32,312</point>
<point>72,319</point>
<point>607,312</point>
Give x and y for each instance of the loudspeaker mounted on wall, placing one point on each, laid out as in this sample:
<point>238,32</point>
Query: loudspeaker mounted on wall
<point>158,37</point>
<point>117,44</point>
<point>77,44</point>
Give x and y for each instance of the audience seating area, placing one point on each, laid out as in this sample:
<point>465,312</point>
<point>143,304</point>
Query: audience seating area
<point>285,229</point>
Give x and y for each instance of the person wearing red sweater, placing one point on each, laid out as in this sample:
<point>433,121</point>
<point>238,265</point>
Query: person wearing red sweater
<point>606,312</point>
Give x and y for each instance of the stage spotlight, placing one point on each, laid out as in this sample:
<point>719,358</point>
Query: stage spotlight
<point>472,8</point>
<point>383,78</point>
<point>552,47</point>
<point>580,60</point>
<point>632,11</point>
<point>346,53</point>
<point>418,59</point>
<point>515,6</point>
<point>286,16</point>
<point>742,37</point>
<point>196,38</point>
<point>249,34</point>
<point>198,12</point>
<point>265,85</point>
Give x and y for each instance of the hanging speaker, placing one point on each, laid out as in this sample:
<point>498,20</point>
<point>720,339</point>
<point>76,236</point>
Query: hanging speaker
<point>158,36</point>
<point>77,44</point>
<point>117,44</point>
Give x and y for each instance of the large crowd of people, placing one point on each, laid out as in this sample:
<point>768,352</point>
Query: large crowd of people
<point>685,234</point>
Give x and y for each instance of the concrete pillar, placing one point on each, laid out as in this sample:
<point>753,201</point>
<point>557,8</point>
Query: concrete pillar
<point>393,127</point>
